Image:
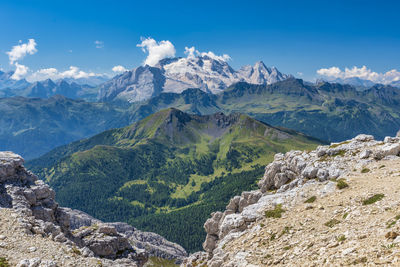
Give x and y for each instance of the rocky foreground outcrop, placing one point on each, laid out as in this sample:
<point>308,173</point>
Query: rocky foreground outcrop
<point>309,210</point>
<point>28,207</point>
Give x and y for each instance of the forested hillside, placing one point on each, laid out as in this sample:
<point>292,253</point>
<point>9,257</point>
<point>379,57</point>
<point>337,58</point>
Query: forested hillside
<point>157,168</point>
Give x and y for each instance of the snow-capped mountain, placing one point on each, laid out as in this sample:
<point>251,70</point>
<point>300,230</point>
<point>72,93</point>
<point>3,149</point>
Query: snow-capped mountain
<point>178,74</point>
<point>205,73</point>
<point>138,84</point>
<point>260,74</point>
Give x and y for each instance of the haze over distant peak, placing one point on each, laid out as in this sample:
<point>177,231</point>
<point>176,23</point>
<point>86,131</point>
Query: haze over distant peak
<point>360,76</point>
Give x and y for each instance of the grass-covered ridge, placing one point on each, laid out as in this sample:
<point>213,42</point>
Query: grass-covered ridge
<point>327,111</point>
<point>167,172</point>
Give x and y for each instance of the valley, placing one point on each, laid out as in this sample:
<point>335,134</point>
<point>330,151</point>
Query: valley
<point>199,134</point>
<point>329,112</point>
<point>165,168</point>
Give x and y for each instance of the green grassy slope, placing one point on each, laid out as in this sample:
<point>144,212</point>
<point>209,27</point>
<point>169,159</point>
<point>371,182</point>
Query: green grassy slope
<point>328,111</point>
<point>167,172</point>
<point>331,112</point>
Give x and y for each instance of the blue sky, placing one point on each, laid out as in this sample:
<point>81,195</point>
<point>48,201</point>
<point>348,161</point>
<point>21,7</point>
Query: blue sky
<point>295,36</point>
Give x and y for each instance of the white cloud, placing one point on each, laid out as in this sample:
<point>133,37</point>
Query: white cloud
<point>20,72</point>
<point>210,54</point>
<point>20,51</point>
<point>192,53</point>
<point>156,50</point>
<point>54,74</point>
<point>330,72</point>
<point>99,44</point>
<point>119,68</point>
<point>362,73</point>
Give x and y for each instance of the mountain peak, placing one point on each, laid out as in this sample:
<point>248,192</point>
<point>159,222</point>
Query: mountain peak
<point>48,82</point>
<point>210,74</point>
<point>177,127</point>
<point>260,64</point>
<point>261,74</point>
<point>7,82</point>
<point>64,82</point>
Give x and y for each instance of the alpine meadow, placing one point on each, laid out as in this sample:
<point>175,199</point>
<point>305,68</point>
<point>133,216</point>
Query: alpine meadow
<point>195,134</point>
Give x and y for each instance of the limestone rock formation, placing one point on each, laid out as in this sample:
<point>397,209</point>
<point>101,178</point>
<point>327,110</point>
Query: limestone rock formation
<point>154,244</point>
<point>175,75</point>
<point>287,181</point>
<point>33,202</point>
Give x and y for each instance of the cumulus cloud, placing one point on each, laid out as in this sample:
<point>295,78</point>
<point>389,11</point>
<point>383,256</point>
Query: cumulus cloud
<point>54,74</point>
<point>330,72</point>
<point>210,54</point>
<point>18,52</point>
<point>362,73</point>
<point>20,72</point>
<point>192,53</point>
<point>99,44</point>
<point>119,69</point>
<point>156,50</point>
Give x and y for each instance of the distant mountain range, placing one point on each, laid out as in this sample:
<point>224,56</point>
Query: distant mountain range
<point>171,75</point>
<point>171,166</point>
<point>357,82</point>
<point>93,81</point>
<point>178,74</point>
<point>33,126</point>
<point>48,88</point>
<point>328,111</point>
<point>82,88</point>
<point>144,82</point>
<point>7,83</point>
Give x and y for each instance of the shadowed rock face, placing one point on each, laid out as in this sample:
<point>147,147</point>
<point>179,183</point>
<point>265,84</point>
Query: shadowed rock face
<point>39,213</point>
<point>139,84</point>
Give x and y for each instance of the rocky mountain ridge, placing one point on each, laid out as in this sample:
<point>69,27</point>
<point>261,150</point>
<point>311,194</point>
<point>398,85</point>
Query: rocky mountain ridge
<point>250,232</point>
<point>167,166</point>
<point>340,111</point>
<point>357,82</point>
<point>7,83</point>
<point>83,88</point>
<point>38,214</point>
<point>32,126</point>
<point>70,89</point>
<point>48,88</point>
<point>178,74</point>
